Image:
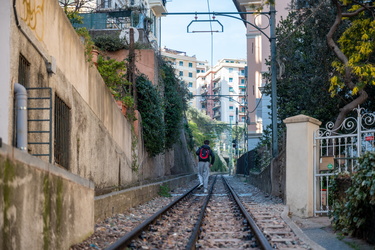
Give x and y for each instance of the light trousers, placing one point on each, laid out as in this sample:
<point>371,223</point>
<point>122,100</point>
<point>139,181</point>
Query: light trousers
<point>203,173</point>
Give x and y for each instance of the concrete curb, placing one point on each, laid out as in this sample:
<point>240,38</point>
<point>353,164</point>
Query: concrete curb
<point>300,234</point>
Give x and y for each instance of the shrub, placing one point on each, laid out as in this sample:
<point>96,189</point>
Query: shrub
<point>351,212</point>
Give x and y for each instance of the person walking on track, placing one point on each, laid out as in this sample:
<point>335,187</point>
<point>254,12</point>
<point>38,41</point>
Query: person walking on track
<point>206,159</point>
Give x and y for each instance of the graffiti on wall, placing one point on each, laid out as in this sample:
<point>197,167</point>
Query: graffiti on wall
<point>32,13</point>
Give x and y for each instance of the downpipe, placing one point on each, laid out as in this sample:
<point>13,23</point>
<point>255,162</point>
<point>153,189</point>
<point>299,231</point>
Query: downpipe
<point>21,116</point>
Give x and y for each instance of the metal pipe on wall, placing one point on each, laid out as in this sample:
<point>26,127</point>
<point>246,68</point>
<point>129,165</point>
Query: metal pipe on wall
<point>21,116</point>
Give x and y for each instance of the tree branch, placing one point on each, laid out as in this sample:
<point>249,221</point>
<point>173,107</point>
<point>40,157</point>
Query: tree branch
<point>344,59</point>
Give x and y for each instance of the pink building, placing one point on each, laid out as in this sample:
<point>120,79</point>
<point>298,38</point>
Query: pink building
<point>258,50</point>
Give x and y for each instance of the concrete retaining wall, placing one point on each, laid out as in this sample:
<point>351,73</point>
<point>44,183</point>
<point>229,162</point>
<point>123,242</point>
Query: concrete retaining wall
<point>42,206</point>
<point>118,202</point>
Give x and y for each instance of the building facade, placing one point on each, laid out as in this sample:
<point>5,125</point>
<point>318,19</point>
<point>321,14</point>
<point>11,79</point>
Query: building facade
<point>187,69</point>
<point>223,91</point>
<point>258,51</point>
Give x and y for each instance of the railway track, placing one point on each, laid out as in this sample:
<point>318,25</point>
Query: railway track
<point>220,219</point>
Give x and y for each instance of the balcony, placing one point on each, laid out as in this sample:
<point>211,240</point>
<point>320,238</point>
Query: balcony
<point>158,7</point>
<point>216,97</point>
<point>217,105</point>
<point>204,91</point>
<point>216,87</point>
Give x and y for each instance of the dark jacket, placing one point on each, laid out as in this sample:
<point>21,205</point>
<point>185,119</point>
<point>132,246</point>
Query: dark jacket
<point>212,155</point>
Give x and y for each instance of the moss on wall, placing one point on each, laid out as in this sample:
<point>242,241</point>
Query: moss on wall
<point>7,174</point>
<point>46,212</point>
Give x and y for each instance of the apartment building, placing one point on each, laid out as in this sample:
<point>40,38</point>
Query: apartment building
<point>258,51</point>
<point>187,69</point>
<point>117,17</point>
<point>223,91</point>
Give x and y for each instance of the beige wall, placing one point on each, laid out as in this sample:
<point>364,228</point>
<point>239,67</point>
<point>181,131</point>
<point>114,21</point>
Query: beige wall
<point>42,206</point>
<point>100,136</point>
<point>299,164</point>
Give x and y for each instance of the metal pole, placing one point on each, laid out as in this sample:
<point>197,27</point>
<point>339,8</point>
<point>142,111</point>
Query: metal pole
<point>275,148</point>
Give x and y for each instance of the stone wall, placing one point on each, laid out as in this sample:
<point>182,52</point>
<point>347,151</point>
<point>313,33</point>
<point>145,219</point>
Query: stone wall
<point>42,206</point>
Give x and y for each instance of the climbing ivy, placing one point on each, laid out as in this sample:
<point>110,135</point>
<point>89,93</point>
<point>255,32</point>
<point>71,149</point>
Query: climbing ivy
<point>352,210</point>
<point>150,106</point>
<point>175,102</point>
<point>113,73</point>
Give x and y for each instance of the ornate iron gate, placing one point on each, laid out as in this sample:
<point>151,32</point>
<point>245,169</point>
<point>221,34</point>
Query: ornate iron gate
<point>336,151</point>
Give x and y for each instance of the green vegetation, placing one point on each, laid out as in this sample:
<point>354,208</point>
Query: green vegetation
<point>164,191</point>
<point>114,75</point>
<point>219,165</point>
<point>115,43</point>
<point>150,105</point>
<point>175,102</point>
<point>202,127</point>
<point>351,211</point>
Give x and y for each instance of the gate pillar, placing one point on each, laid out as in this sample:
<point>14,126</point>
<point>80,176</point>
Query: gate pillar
<point>300,164</point>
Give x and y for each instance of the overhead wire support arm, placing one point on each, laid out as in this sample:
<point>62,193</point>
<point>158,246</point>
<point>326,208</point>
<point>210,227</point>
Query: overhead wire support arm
<point>225,14</point>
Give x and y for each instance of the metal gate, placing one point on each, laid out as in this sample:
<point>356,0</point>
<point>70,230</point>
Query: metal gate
<point>336,151</point>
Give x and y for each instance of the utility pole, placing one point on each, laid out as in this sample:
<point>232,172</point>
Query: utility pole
<point>275,147</point>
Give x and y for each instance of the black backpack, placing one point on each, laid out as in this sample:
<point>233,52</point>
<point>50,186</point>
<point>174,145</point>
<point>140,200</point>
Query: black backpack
<point>204,153</point>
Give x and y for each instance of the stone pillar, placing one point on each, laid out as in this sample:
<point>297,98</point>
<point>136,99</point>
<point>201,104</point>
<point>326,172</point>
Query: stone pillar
<point>299,164</point>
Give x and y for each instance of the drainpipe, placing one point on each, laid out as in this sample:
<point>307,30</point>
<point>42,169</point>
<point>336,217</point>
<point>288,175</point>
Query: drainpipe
<point>21,116</point>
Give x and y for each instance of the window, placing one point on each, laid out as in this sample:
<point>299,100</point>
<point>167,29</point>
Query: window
<point>62,133</point>
<point>243,119</point>
<point>231,89</point>
<point>190,65</point>
<point>242,72</point>
<point>231,118</point>
<point>181,73</point>
<point>198,71</point>
<point>230,70</point>
<point>23,71</point>
<point>231,99</point>
<point>181,63</point>
<point>203,106</point>
<point>190,74</point>
<point>230,107</point>
<point>190,84</point>
<point>242,81</point>
<point>230,79</point>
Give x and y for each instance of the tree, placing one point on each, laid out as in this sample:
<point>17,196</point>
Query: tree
<point>203,127</point>
<point>312,72</point>
<point>304,63</point>
<point>77,5</point>
<point>354,67</point>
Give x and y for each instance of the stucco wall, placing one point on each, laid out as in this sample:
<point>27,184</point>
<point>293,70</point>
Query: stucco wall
<point>299,164</point>
<point>5,93</point>
<point>42,206</point>
<point>144,61</point>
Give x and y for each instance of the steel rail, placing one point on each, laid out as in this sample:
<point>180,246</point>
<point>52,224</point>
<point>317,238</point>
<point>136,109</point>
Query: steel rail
<point>195,233</point>
<point>125,240</point>
<point>262,240</point>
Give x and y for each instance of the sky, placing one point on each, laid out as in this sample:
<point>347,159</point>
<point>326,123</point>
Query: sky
<point>231,43</point>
